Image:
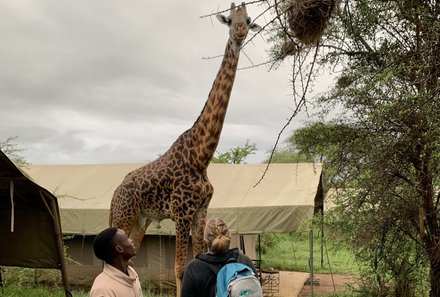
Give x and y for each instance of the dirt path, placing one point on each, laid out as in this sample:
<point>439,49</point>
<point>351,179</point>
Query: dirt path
<point>291,284</point>
<point>326,283</point>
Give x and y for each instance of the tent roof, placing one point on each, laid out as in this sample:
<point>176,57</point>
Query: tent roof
<point>283,198</point>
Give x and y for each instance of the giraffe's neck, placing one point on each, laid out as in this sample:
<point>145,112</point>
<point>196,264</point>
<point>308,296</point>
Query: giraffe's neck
<point>207,128</point>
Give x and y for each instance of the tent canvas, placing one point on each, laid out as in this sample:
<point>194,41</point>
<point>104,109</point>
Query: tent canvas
<point>286,192</point>
<point>277,203</point>
<point>30,225</point>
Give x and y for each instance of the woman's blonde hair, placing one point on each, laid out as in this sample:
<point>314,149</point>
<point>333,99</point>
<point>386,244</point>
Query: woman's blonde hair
<point>217,236</point>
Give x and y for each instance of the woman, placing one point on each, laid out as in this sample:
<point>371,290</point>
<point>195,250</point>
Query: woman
<point>199,279</point>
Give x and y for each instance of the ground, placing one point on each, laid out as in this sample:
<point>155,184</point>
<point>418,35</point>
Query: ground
<point>292,284</point>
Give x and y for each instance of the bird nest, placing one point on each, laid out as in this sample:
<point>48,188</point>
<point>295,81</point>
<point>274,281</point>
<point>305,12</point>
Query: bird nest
<point>308,18</point>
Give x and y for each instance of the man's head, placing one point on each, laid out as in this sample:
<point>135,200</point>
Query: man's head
<point>112,243</point>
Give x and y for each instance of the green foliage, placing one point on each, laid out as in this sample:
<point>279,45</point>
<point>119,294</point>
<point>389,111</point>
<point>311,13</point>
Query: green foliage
<point>31,276</point>
<point>391,264</point>
<point>68,259</point>
<point>269,241</point>
<point>287,156</point>
<point>381,150</point>
<point>291,252</point>
<point>12,150</point>
<point>320,140</point>
<point>236,155</point>
<point>16,290</point>
<point>22,282</point>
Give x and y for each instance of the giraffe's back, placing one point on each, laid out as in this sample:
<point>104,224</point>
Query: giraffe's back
<point>156,191</point>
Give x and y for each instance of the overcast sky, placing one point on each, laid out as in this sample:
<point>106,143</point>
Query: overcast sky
<point>118,81</point>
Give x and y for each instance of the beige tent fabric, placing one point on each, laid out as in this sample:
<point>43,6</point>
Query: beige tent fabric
<point>278,203</point>
<point>29,223</point>
<point>282,199</point>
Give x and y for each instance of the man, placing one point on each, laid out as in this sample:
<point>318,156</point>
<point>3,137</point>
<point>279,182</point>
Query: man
<point>114,247</point>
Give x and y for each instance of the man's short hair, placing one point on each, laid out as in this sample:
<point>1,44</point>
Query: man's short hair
<point>103,244</point>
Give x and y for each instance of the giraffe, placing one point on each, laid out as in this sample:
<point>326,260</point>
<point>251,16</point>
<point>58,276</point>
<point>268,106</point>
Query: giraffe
<point>176,185</point>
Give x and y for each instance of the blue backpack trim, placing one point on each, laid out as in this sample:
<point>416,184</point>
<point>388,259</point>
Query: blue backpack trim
<point>229,273</point>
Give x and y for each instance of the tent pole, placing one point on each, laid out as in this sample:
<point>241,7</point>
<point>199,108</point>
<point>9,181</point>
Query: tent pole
<point>259,247</point>
<point>11,192</point>
<point>57,226</point>
<point>49,210</point>
<point>242,246</point>
<point>311,259</point>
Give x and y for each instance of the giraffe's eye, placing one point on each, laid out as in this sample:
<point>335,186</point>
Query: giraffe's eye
<point>248,21</point>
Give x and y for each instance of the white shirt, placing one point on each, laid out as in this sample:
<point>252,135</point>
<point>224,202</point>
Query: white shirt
<point>112,282</point>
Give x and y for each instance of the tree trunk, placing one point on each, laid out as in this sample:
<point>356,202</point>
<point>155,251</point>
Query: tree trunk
<point>435,272</point>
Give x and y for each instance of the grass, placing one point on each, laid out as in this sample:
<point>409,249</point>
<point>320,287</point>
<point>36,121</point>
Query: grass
<point>291,252</point>
<point>16,290</point>
<point>18,282</point>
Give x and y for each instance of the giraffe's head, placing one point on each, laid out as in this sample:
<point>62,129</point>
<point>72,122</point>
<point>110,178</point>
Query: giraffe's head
<point>239,24</point>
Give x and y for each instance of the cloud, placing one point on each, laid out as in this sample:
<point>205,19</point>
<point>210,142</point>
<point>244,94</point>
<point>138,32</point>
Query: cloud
<point>112,81</point>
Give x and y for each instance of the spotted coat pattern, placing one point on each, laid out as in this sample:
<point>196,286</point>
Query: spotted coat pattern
<point>176,185</point>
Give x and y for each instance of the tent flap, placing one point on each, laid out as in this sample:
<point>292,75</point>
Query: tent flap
<point>29,230</point>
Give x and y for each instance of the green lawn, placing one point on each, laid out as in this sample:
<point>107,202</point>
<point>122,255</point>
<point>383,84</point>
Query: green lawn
<point>16,290</point>
<point>18,282</point>
<point>292,252</point>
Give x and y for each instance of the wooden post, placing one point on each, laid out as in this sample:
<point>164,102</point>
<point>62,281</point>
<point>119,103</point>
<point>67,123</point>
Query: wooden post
<point>60,246</point>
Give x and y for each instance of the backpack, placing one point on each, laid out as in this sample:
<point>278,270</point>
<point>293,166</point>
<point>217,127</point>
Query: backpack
<point>237,280</point>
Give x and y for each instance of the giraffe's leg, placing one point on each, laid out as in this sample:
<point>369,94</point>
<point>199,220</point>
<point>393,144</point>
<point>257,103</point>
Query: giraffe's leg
<point>121,213</point>
<point>121,221</point>
<point>137,234</point>
<point>128,218</point>
<point>182,240</point>
<point>197,229</point>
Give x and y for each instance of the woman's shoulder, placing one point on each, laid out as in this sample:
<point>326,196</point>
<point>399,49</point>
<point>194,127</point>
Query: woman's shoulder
<point>242,258</point>
<point>236,254</point>
<point>195,262</point>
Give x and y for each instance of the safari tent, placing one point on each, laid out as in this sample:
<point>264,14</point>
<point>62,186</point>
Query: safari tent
<point>250,201</point>
<point>30,227</point>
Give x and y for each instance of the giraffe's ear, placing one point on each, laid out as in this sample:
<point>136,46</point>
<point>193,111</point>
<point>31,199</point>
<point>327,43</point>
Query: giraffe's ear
<point>255,27</point>
<point>224,20</point>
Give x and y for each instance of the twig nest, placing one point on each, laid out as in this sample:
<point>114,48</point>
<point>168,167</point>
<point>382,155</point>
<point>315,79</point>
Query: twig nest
<point>308,18</point>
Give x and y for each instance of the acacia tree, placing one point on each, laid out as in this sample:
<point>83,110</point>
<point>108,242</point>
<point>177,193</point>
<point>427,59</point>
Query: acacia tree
<point>11,149</point>
<point>287,155</point>
<point>384,145</point>
<point>236,155</point>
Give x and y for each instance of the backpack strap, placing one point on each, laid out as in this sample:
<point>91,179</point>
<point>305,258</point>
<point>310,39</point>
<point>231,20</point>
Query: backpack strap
<point>214,268</point>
